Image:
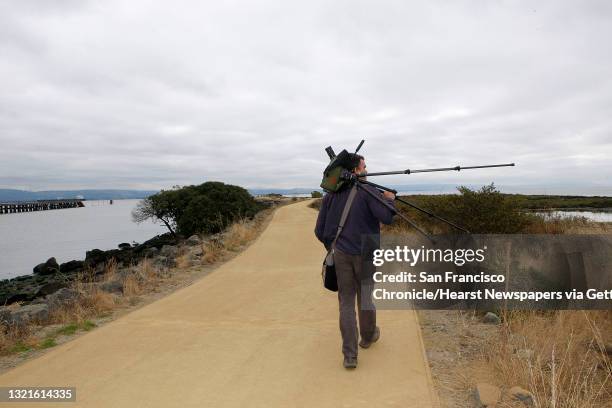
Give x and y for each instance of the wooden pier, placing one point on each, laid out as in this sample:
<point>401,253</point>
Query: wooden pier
<point>40,205</point>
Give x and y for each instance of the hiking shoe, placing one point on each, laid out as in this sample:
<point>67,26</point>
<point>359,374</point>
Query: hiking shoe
<point>350,362</point>
<point>365,344</point>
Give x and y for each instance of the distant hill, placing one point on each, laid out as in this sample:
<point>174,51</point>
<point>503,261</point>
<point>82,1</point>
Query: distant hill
<point>21,195</point>
<point>283,191</point>
<point>446,188</point>
<point>99,194</point>
<point>414,188</point>
<point>417,188</point>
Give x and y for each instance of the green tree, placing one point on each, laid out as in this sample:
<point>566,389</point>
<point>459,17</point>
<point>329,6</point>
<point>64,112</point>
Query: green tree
<point>160,207</point>
<point>316,194</point>
<point>208,208</point>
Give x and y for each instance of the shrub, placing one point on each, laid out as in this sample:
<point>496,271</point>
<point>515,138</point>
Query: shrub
<point>316,194</point>
<point>484,211</point>
<point>316,204</point>
<point>207,208</point>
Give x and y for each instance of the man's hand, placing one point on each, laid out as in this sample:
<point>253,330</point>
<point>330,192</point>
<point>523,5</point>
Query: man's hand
<point>389,195</point>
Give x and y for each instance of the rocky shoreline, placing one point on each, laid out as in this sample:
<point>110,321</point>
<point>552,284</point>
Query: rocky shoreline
<point>50,277</point>
<point>31,298</point>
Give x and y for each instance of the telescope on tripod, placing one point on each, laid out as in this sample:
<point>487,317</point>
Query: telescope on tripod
<point>338,174</point>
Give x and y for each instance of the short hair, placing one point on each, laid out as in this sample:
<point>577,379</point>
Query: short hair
<point>354,160</point>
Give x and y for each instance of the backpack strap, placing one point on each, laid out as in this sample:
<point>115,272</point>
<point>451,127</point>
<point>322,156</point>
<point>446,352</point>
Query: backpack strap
<point>345,212</point>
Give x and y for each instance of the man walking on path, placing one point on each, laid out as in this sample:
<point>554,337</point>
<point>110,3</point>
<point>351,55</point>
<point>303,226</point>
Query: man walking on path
<point>353,272</point>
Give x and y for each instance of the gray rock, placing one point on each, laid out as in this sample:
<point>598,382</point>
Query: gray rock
<point>5,315</point>
<point>487,395</point>
<point>48,268</point>
<point>71,266</point>
<point>30,313</point>
<point>150,252</point>
<point>24,295</point>
<point>491,318</point>
<point>522,395</point>
<point>52,263</point>
<point>168,251</point>
<point>216,237</point>
<point>113,286</point>
<point>165,262</point>
<point>38,269</point>
<point>50,288</point>
<point>194,240</point>
<point>95,256</point>
<point>197,252</point>
<point>63,296</point>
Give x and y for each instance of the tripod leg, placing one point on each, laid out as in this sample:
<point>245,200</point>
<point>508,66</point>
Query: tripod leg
<point>432,215</point>
<point>414,205</point>
<point>410,222</point>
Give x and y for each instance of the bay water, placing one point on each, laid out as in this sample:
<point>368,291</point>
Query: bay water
<point>30,238</point>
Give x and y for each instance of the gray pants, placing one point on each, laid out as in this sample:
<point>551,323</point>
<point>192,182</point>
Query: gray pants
<point>353,282</point>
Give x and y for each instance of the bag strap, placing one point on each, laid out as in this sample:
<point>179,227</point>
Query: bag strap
<point>345,212</point>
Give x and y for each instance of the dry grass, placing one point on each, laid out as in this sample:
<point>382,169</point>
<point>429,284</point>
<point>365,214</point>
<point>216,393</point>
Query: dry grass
<point>16,338</point>
<point>110,270</point>
<point>183,257</point>
<point>592,228</point>
<point>213,251</point>
<point>538,224</point>
<point>557,224</point>
<point>235,238</point>
<point>559,356</point>
<point>183,261</point>
<point>316,204</point>
<point>131,286</point>
<point>239,234</point>
<point>147,272</point>
<point>144,277</point>
<point>92,302</point>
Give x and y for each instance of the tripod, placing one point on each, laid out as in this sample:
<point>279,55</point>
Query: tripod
<point>359,183</point>
<point>336,174</point>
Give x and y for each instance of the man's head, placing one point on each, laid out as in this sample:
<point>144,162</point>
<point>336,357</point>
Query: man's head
<point>358,165</point>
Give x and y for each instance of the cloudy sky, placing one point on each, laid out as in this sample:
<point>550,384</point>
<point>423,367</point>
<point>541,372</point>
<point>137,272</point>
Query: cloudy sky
<point>149,94</point>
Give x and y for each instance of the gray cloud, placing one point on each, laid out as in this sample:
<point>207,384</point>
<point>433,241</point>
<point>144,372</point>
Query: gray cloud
<point>143,95</point>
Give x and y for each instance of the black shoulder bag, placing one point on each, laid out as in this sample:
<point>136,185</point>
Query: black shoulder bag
<point>330,280</point>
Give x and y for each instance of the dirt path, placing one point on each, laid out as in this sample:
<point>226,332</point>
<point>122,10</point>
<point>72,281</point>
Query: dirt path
<point>259,332</point>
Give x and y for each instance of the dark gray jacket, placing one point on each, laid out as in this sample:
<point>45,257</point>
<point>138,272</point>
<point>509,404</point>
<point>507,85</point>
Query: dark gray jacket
<point>364,219</point>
